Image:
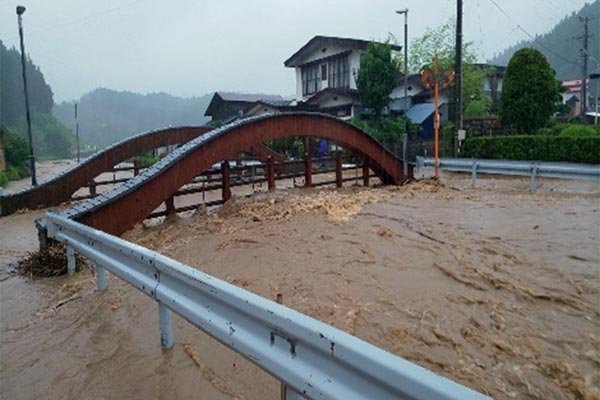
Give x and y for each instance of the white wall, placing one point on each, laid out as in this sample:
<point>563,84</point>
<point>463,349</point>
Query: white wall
<point>319,53</point>
<point>413,89</point>
<point>354,64</point>
<point>298,84</point>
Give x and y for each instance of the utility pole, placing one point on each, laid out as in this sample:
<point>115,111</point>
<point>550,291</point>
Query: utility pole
<point>77,133</point>
<point>20,11</point>
<point>405,135</point>
<point>458,66</point>
<point>584,70</point>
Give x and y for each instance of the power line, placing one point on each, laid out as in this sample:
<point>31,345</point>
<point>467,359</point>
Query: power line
<point>530,35</point>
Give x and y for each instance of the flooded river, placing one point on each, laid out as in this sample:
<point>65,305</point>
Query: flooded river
<point>493,286</point>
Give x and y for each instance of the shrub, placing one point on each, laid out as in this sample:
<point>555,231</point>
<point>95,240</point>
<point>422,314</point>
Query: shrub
<point>385,130</point>
<point>447,133</point>
<point>16,150</point>
<point>529,91</point>
<point>579,131</point>
<point>3,179</point>
<point>534,147</point>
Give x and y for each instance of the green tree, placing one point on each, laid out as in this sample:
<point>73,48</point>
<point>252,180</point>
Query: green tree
<point>376,76</point>
<point>440,41</point>
<point>529,92</point>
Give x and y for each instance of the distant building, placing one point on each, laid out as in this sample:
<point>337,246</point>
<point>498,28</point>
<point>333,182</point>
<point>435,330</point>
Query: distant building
<point>572,96</point>
<point>227,106</point>
<point>492,85</point>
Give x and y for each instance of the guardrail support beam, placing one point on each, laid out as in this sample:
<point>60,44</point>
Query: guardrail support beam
<point>365,172</point>
<point>101,282</point>
<point>290,394</point>
<point>166,330</point>
<point>533,183</point>
<point>71,264</point>
<point>474,173</point>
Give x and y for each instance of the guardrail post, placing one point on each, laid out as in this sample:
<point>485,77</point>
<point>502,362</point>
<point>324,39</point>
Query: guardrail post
<point>533,183</point>
<point>290,394</point>
<point>338,169</point>
<point>473,173</point>
<point>365,172</point>
<point>226,180</point>
<point>101,282</point>
<point>307,170</point>
<point>70,260</point>
<point>166,330</point>
<point>271,172</point>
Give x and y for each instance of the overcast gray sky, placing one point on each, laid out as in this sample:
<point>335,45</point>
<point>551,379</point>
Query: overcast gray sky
<point>188,48</point>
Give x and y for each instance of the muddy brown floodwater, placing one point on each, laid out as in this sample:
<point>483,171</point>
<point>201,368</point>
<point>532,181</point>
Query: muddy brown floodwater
<point>494,287</point>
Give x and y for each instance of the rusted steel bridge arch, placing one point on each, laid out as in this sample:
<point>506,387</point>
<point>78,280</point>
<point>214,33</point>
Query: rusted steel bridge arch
<point>120,209</point>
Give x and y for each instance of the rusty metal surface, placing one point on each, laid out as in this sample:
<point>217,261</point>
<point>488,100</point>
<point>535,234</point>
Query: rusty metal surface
<point>120,209</point>
<point>60,188</point>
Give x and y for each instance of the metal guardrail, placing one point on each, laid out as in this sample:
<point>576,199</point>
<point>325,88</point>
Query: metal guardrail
<point>532,169</point>
<point>314,360</point>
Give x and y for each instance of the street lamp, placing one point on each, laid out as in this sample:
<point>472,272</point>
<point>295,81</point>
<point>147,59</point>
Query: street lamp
<point>405,135</point>
<point>20,11</point>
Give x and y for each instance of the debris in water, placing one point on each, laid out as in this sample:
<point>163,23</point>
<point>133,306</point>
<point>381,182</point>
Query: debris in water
<point>48,262</point>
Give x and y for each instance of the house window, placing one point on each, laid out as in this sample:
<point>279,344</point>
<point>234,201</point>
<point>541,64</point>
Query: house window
<point>310,79</point>
<point>323,72</point>
<point>339,72</point>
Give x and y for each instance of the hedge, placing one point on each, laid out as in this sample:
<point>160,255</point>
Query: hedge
<point>534,147</point>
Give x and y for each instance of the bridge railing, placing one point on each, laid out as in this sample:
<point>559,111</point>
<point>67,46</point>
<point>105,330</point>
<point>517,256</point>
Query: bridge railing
<point>313,360</point>
<point>533,169</point>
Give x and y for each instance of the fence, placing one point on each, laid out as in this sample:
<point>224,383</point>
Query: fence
<point>533,169</point>
<point>312,359</point>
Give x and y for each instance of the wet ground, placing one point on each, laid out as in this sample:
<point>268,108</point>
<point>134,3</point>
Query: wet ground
<point>494,287</point>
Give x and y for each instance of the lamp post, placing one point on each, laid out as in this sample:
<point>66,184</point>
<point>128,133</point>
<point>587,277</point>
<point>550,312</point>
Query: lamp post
<point>405,135</point>
<point>20,11</point>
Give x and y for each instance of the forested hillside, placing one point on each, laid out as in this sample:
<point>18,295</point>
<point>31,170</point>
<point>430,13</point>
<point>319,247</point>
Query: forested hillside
<point>50,138</point>
<point>564,53</point>
<point>106,116</point>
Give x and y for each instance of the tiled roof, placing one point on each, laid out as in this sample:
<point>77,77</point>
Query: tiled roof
<point>249,97</point>
<point>319,41</point>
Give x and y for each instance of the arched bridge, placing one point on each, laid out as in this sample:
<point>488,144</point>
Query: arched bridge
<point>62,187</point>
<point>120,209</point>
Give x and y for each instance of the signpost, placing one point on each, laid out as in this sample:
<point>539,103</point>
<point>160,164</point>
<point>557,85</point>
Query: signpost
<point>433,80</point>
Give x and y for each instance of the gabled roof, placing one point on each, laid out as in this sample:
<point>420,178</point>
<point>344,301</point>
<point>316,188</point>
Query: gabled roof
<point>249,97</point>
<point>420,112</point>
<point>352,93</point>
<point>241,98</point>
<point>322,41</point>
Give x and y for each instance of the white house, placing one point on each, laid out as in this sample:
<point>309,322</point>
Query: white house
<point>326,69</point>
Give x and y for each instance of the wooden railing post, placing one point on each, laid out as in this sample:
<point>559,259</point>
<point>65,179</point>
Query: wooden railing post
<point>136,167</point>
<point>271,172</point>
<point>93,188</point>
<point>226,180</point>
<point>170,205</point>
<point>365,172</point>
<point>338,169</point>
<point>307,170</point>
